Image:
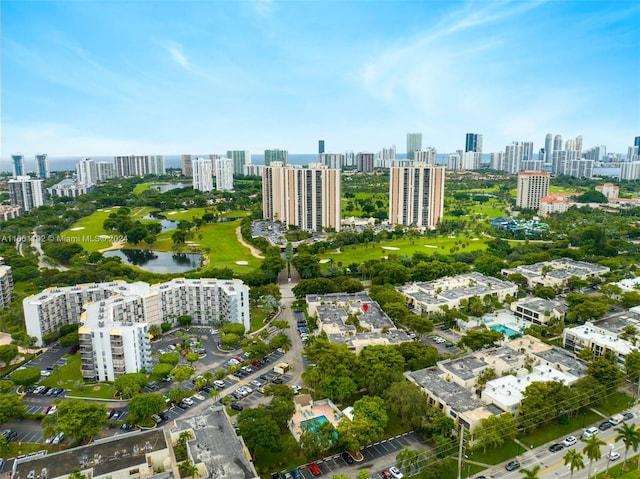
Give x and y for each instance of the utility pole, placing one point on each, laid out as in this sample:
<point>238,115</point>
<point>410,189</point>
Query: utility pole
<point>460,451</point>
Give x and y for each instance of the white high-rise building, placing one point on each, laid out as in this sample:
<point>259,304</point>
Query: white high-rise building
<point>364,162</point>
<point>348,159</point>
<point>532,185</point>
<point>106,170</point>
<point>87,172</point>
<point>427,156</point>
<point>205,300</point>
<point>42,165</point>
<point>581,168</point>
<point>139,165</point>
<point>26,192</point>
<point>548,148</point>
<point>187,165</point>
<point>308,198</point>
<point>512,157</point>
<point>630,170</point>
<point>385,157</point>
<point>6,284</point>
<point>470,160</point>
<point>561,164</point>
<point>595,153</point>
<point>224,174</point>
<point>416,196</point>
<point>414,143</point>
<point>497,161</point>
<point>454,162</point>
<point>333,160</point>
<point>202,172</point>
<point>527,150</point>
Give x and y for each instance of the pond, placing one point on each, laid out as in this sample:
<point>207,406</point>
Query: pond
<point>169,186</point>
<point>157,261</point>
<point>167,225</point>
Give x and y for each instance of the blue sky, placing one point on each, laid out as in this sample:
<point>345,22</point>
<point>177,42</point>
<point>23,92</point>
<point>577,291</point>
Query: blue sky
<point>169,77</point>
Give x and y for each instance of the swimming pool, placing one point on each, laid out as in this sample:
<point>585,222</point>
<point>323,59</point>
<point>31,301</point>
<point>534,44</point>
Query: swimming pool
<point>313,423</point>
<point>508,332</point>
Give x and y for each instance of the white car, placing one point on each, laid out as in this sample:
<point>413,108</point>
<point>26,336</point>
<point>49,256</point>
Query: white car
<point>395,472</point>
<point>614,456</point>
<point>58,438</point>
<point>570,441</point>
<point>592,431</point>
<point>188,401</point>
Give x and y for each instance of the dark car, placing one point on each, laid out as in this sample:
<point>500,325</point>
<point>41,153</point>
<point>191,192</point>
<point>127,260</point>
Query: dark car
<point>276,475</point>
<point>236,407</point>
<point>347,457</point>
<point>605,425</point>
<point>627,415</point>
<point>8,434</point>
<point>512,466</point>
<point>556,447</point>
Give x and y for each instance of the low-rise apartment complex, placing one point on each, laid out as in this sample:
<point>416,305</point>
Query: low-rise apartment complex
<point>450,291</point>
<point>114,317</point>
<point>353,319</point>
<point>556,273</point>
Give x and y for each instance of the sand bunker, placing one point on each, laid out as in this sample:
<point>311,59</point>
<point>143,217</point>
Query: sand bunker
<point>172,212</point>
<point>77,228</point>
<point>242,263</point>
<point>392,248</point>
<point>323,261</point>
<point>430,246</point>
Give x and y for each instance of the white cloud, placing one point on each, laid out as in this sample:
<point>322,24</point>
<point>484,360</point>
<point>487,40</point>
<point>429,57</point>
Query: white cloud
<point>175,51</point>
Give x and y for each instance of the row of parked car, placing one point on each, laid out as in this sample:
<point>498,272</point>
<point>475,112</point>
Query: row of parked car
<point>44,391</point>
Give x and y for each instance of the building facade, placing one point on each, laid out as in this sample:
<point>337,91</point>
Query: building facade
<point>87,172</point>
<point>17,162</point>
<point>414,143</point>
<point>364,162</point>
<point>240,158</point>
<point>187,166</point>
<point>136,165</point>
<point>70,189</point>
<point>26,192</point>
<point>9,212</point>
<point>202,173</point>
<point>224,170</point>
<point>305,197</point>
<point>206,300</point>
<point>6,284</point>
<point>532,185</point>
<point>276,155</point>
<point>42,165</point>
<point>416,196</point>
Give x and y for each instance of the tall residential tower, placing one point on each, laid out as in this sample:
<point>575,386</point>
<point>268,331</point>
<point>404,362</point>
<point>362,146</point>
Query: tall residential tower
<point>416,196</point>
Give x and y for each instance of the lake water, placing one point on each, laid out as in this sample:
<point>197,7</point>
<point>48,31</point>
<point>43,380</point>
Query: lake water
<point>157,261</point>
<point>167,225</point>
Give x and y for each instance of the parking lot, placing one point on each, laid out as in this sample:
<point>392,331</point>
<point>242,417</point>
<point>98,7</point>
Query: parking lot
<point>376,458</point>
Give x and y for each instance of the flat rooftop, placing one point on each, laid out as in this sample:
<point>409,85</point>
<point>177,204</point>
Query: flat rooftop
<point>217,445</point>
<point>117,453</point>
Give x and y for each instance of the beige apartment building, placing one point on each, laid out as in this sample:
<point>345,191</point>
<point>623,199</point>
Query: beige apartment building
<point>308,198</point>
<point>416,196</point>
<point>532,185</point>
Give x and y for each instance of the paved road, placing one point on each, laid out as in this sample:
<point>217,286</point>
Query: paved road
<point>552,463</point>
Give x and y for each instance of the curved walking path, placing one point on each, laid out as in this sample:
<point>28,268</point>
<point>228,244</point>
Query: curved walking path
<point>254,251</point>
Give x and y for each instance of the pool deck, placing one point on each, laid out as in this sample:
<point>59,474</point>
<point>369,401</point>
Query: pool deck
<point>318,410</point>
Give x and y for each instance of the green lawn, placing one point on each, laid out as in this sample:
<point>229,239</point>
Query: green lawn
<point>87,231</point>
<point>257,318</point>
<point>218,239</point>
<point>361,253</point>
<point>555,431</point>
<point>495,456</point>
<point>290,456</point>
<point>70,377</point>
<point>616,402</point>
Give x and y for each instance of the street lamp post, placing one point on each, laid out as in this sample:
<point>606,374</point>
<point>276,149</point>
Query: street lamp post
<point>606,474</point>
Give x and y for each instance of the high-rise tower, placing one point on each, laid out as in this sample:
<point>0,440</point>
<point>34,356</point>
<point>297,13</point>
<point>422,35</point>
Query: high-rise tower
<point>414,143</point>
<point>416,195</point>
<point>42,165</point>
<point>548,148</point>
<point>18,165</point>
<point>532,185</point>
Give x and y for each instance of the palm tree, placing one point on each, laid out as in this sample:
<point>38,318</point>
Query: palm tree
<point>531,473</point>
<point>574,460</point>
<point>592,450</point>
<point>631,438</point>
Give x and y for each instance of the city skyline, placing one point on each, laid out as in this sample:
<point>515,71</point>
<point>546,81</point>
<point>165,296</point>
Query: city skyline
<point>123,78</point>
